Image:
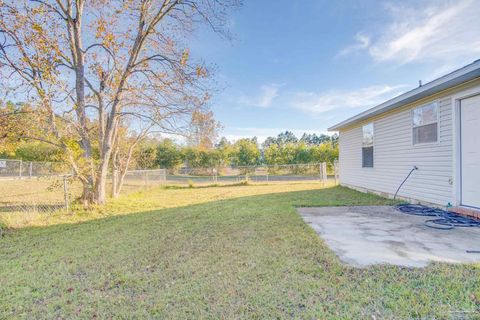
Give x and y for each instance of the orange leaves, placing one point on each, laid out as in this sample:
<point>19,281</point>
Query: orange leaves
<point>38,28</point>
<point>201,71</point>
<point>101,28</point>
<point>102,33</point>
<point>185,57</point>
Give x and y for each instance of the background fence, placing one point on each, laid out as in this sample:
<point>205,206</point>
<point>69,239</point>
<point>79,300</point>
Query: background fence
<point>28,169</point>
<point>50,189</point>
<point>136,180</point>
<point>38,195</point>
<point>42,187</point>
<point>262,173</point>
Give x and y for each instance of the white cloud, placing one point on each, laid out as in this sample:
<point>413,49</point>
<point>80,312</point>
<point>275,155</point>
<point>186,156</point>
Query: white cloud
<point>263,99</point>
<point>442,31</point>
<point>361,42</point>
<point>341,99</point>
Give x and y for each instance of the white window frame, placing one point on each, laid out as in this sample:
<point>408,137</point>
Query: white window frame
<point>437,121</point>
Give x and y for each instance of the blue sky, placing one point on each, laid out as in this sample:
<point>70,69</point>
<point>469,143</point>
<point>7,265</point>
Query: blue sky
<point>304,65</point>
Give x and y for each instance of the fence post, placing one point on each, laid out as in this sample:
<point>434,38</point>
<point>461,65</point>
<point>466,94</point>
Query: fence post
<point>20,169</point>
<point>30,169</point>
<point>320,171</point>
<point>323,173</point>
<point>325,177</point>
<point>336,171</point>
<point>65,192</point>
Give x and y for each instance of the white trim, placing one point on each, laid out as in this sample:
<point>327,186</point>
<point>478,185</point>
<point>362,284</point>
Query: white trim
<point>457,77</point>
<point>412,126</point>
<point>457,174</point>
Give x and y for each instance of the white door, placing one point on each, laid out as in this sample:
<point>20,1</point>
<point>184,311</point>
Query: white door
<point>470,151</point>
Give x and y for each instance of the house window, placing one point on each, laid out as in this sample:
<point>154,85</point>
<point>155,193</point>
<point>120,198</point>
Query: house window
<point>425,124</point>
<point>367,146</point>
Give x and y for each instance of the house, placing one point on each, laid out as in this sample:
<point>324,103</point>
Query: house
<point>434,128</point>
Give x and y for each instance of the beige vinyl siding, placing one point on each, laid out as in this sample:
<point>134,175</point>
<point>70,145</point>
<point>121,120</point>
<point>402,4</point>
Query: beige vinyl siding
<point>395,155</point>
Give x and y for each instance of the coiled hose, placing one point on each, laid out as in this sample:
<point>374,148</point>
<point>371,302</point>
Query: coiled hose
<point>445,220</point>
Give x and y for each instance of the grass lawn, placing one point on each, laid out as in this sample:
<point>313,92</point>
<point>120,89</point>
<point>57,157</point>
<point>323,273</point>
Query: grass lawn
<point>218,252</point>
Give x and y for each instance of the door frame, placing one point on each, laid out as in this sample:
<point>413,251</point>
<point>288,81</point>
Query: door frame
<point>457,141</point>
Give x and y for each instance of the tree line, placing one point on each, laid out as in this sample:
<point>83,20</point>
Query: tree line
<point>280,150</point>
<point>153,153</point>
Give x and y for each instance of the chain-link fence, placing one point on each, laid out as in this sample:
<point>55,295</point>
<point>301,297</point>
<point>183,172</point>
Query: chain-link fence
<point>15,169</point>
<point>39,188</point>
<point>10,168</point>
<point>44,192</point>
<point>323,172</point>
<point>23,198</point>
<point>18,169</point>
<point>136,180</point>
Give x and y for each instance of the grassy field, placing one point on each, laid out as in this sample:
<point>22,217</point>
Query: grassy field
<point>213,252</point>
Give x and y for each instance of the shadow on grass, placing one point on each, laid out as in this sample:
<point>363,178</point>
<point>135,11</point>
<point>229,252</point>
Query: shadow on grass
<point>286,200</point>
<point>245,257</point>
<point>213,185</point>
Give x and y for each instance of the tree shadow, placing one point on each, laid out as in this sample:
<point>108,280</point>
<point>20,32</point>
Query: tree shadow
<point>332,196</point>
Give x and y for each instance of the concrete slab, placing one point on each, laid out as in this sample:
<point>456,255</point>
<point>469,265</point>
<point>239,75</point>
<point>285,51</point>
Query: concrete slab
<point>362,236</point>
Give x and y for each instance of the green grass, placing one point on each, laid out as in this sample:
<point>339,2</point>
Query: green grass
<point>219,252</point>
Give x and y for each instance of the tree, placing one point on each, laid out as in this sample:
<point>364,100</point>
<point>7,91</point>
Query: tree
<point>313,139</point>
<point>169,155</point>
<point>325,152</point>
<point>286,137</point>
<point>273,155</point>
<point>37,151</point>
<point>14,119</point>
<point>90,69</point>
<point>334,140</point>
<point>303,153</point>
<point>270,141</point>
<point>203,130</point>
<point>246,152</point>
<point>281,139</point>
<point>145,155</point>
<point>226,150</point>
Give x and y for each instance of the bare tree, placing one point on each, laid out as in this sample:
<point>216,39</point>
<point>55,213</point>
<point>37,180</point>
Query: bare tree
<point>204,130</point>
<point>87,67</point>
<point>122,154</point>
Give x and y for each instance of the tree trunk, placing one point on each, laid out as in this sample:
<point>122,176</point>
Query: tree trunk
<point>115,192</point>
<point>120,168</point>
<point>120,179</point>
<point>87,192</point>
<point>114,161</point>
<point>100,192</point>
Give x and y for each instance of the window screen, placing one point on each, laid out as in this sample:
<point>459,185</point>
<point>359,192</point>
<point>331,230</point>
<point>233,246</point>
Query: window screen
<point>425,124</point>
<point>367,146</point>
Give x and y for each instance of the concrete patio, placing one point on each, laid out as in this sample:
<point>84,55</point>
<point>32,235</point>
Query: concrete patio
<point>363,236</point>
